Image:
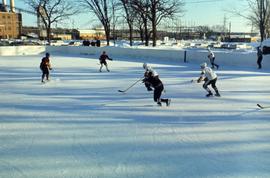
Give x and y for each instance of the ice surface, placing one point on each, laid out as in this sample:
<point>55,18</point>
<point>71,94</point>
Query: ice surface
<point>79,126</point>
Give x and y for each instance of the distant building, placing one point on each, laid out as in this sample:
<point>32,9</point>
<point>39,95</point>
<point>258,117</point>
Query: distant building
<point>92,34</point>
<point>65,34</point>
<point>62,36</point>
<point>59,33</point>
<point>30,31</point>
<point>241,37</point>
<point>10,25</point>
<point>10,22</point>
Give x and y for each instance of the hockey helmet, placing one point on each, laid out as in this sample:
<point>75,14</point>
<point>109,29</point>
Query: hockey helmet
<point>203,65</point>
<point>47,54</point>
<point>145,65</point>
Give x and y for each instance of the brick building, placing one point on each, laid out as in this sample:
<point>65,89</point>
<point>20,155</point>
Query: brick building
<point>10,25</point>
<point>10,22</point>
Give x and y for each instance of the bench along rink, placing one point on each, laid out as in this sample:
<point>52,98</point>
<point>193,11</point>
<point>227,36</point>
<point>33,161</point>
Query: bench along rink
<point>79,125</point>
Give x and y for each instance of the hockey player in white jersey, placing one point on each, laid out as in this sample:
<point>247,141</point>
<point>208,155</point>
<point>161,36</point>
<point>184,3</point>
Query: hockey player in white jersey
<point>211,57</point>
<point>210,78</point>
<point>151,71</point>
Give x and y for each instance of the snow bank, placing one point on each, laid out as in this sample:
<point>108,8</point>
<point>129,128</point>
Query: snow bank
<point>21,50</point>
<point>240,58</point>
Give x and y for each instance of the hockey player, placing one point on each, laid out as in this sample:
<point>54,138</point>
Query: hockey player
<point>102,60</point>
<point>211,57</point>
<point>156,83</point>
<point>149,69</point>
<point>45,67</point>
<point>259,57</point>
<point>210,78</point>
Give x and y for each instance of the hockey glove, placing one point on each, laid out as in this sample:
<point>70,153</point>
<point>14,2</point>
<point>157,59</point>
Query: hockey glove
<point>199,79</point>
<point>143,81</point>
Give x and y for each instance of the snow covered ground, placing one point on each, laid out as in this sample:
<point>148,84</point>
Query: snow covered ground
<point>79,126</point>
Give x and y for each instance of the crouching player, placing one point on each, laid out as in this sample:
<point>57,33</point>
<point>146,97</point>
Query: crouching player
<point>210,78</point>
<point>153,80</point>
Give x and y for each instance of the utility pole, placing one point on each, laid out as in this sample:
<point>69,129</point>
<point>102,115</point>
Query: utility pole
<point>230,29</point>
<point>224,26</point>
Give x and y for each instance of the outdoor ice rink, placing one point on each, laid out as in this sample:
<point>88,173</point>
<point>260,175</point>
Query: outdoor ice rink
<point>79,126</point>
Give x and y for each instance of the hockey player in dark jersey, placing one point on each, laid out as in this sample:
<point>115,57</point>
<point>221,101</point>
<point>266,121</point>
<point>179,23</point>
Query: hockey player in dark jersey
<point>149,69</point>
<point>259,57</point>
<point>45,67</point>
<point>102,60</point>
<point>156,83</point>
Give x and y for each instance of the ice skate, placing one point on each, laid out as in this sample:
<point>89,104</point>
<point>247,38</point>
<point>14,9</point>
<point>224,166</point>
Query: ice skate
<point>168,102</point>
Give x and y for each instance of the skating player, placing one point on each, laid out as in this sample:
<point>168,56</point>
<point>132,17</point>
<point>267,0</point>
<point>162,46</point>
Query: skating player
<point>45,67</point>
<point>149,69</point>
<point>153,80</point>
<point>102,60</point>
<point>211,57</point>
<point>210,78</point>
<point>259,57</point>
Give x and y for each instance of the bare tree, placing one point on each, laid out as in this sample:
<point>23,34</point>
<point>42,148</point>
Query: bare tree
<point>51,11</point>
<point>259,15</point>
<point>141,8</point>
<point>129,16</point>
<point>217,29</point>
<point>138,24</point>
<point>161,9</point>
<point>103,9</point>
<point>204,30</point>
<point>114,22</point>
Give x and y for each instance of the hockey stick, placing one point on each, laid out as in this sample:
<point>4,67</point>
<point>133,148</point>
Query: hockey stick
<point>131,85</point>
<point>262,107</point>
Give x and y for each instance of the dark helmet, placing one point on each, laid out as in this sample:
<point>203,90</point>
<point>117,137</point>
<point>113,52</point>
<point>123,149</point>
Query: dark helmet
<point>47,54</point>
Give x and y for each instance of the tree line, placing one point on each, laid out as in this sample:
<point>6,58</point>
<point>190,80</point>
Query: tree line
<point>144,16</point>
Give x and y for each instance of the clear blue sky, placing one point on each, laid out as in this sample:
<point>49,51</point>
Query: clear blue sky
<point>197,12</point>
<point>212,12</point>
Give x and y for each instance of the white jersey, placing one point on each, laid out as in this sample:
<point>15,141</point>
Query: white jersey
<point>208,73</point>
<point>211,55</point>
<point>154,73</point>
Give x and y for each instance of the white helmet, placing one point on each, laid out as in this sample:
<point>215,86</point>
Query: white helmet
<point>145,65</point>
<point>203,65</point>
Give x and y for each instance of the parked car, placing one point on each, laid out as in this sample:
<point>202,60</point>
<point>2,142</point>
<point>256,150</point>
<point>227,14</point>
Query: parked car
<point>266,46</point>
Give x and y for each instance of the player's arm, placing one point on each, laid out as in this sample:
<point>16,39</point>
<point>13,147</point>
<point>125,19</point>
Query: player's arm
<point>201,78</point>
